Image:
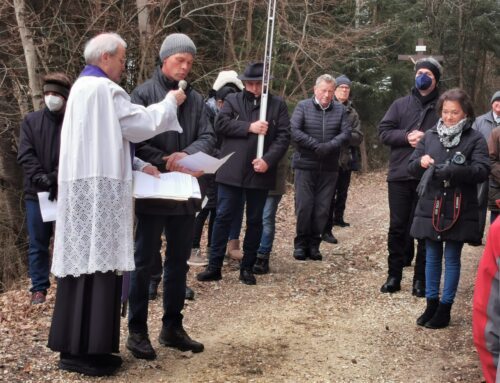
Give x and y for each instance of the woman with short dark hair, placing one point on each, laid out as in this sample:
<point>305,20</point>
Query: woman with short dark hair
<point>451,160</point>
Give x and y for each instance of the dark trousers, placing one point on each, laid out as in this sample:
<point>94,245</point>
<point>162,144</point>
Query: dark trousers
<point>313,194</point>
<point>199,223</point>
<point>38,252</point>
<point>178,231</point>
<point>337,206</point>
<point>402,202</point>
<point>482,199</point>
<point>228,202</point>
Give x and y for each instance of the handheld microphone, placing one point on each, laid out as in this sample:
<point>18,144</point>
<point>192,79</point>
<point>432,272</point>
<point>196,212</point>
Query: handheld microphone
<point>183,84</point>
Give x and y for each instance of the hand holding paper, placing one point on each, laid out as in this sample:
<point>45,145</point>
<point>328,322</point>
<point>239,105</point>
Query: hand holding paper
<point>203,162</point>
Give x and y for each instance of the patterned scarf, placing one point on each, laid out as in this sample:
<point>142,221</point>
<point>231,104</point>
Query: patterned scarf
<point>450,136</point>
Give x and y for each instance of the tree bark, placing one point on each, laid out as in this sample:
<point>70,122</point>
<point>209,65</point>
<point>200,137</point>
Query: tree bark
<point>29,54</point>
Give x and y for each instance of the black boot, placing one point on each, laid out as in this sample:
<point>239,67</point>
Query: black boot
<point>247,277</point>
<point>441,318</point>
<point>392,285</point>
<point>430,310</point>
<point>261,266</point>
<point>210,274</point>
<point>315,254</point>
<point>418,289</point>
<point>176,337</point>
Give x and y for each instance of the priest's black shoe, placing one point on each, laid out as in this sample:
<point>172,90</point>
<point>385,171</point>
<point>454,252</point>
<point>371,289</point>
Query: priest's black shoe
<point>85,364</point>
<point>329,238</point>
<point>300,254</point>
<point>247,277</point>
<point>176,337</point>
<point>315,255</point>
<point>392,285</point>
<point>189,294</point>
<point>418,289</point>
<point>140,346</point>
<point>261,266</point>
<point>210,274</point>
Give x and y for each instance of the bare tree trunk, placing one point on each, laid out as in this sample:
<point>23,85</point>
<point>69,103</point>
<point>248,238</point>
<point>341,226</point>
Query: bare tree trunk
<point>144,37</point>
<point>460,52</point>
<point>248,37</point>
<point>230,14</point>
<point>29,54</point>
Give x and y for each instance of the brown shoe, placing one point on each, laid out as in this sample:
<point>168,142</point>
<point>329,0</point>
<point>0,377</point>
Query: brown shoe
<point>233,249</point>
<point>38,297</point>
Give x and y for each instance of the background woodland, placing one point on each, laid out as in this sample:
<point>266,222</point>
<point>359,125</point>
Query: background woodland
<point>359,38</point>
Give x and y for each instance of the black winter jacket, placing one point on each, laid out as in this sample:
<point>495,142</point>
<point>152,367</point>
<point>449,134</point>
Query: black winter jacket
<point>312,126</point>
<point>198,135</point>
<point>462,181</point>
<point>233,122</point>
<point>408,113</point>
<point>38,151</point>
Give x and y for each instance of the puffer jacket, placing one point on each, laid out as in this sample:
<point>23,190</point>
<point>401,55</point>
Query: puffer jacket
<point>462,182</point>
<point>38,151</point>
<point>232,124</point>
<point>412,112</point>
<point>311,126</point>
<point>197,135</point>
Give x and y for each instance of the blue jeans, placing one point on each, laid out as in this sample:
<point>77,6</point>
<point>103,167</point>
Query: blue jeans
<point>178,231</point>
<point>38,252</point>
<point>269,224</point>
<point>433,269</point>
<point>228,201</point>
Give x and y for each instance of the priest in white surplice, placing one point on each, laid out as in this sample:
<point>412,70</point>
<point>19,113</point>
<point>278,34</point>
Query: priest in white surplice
<point>93,239</point>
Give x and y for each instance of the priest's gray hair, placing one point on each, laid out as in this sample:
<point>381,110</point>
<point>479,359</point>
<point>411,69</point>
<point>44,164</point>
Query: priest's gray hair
<point>325,78</point>
<point>103,43</point>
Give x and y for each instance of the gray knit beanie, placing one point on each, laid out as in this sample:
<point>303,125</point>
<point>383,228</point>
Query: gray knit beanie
<point>343,80</point>
<point>176,43</point>
<point>495,97</point>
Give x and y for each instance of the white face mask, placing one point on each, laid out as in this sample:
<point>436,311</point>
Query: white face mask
<point>54,103</point>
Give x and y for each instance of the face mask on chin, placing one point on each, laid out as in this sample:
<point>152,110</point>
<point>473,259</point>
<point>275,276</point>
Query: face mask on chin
<point>423,81</point>
<point>54,103</point>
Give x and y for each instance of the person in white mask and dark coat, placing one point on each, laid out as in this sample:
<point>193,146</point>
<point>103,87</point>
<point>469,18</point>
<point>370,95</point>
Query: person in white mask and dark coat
<point>38,154</point>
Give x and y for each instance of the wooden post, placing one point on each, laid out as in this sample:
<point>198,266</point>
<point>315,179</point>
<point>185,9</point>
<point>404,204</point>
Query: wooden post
<point>420,50</point>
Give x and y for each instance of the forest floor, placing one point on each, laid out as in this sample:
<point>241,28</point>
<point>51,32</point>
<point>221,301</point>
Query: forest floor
<point>304,322</point>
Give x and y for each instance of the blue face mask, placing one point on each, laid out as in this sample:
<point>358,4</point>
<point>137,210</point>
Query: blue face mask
<point>423,81</point>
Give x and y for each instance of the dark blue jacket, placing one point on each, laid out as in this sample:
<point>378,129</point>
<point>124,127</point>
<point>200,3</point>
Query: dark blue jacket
<point>312,126</point>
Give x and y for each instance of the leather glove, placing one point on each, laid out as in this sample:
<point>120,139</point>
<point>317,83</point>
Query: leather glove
<point>45,181</point>
<point>53,192</point>
<point>322,150</point>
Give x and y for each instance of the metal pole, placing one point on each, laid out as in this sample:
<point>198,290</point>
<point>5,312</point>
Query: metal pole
<point>271,11</point>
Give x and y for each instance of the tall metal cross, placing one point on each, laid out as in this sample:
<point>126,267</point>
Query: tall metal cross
<point>420,49</point>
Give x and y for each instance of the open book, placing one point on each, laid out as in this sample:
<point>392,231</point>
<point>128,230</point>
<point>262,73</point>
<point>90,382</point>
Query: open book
<point>172,185</point>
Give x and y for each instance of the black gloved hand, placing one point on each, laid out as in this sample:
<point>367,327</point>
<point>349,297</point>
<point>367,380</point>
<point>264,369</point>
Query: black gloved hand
<point>442,172</point>
<point>45,181</point>
<point>53,192</point>
<point>323,150</point>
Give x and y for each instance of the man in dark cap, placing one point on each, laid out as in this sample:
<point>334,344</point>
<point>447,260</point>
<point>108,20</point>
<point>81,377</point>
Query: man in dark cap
<point>239,125</point>
<point>349,160</point>
<point>38,154</point>
<point>173,218</point>
<point>402,127</point>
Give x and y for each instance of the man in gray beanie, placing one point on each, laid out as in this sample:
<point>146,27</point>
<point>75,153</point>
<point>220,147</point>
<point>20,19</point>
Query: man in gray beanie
<point>489,191</point>
<point>402,127</point>
<point>174,218</point>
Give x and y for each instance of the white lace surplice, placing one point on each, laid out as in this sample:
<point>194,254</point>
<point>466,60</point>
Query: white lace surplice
<point>97,231</point>
<point>95,211</point>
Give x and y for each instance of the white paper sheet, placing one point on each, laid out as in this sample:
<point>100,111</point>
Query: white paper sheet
<point>172,185</point>
<point>47,208</point>
<point>202,161</point>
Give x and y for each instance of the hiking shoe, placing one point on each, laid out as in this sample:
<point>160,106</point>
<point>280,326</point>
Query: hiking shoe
<point>140,346</point>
